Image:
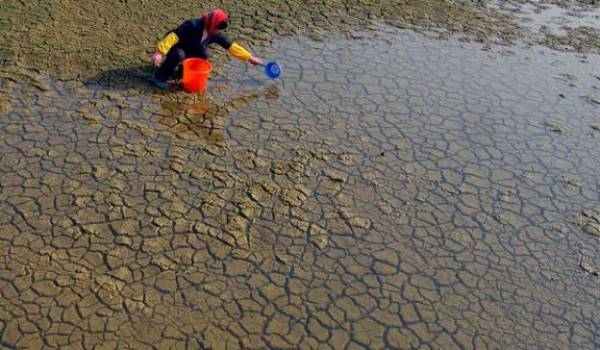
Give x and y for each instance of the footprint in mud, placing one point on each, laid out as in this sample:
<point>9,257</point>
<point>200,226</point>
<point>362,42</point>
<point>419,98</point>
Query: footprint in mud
<point>592,100</point>
<point>589,220</point>
<point>554,127</point>
<point>587,268</point>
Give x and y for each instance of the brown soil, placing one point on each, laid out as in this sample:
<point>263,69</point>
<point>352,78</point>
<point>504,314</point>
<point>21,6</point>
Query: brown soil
<point>70,37</point>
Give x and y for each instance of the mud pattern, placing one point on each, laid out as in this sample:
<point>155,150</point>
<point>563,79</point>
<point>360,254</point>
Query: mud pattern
<point>558,24</point>
<point>389,192</point>
<point>74,38</point>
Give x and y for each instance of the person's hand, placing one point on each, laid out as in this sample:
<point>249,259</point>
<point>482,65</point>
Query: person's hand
<point>255,61</point>
<point>157,58</point>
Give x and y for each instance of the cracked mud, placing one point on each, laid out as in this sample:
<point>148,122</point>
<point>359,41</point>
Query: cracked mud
<point>376,197</point>
<point>390,191</point>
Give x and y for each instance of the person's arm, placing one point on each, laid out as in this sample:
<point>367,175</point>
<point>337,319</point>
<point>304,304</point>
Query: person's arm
<point>171,39</point>
<point>165,45</point>
<point>236,50</point>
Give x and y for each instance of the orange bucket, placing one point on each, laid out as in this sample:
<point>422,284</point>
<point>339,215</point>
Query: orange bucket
<point>195,74</point>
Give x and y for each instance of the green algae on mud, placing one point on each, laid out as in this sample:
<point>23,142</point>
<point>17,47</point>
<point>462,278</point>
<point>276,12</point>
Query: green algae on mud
<point>389,192</point>
<point>81,38</point>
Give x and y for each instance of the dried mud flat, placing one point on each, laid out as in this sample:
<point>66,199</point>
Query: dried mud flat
<point>392,190</point>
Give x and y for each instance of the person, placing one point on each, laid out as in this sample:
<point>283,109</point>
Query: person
<point>192,39</point>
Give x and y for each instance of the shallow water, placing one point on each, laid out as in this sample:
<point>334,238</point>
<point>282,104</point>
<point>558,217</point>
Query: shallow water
<point>554,18</point>
<point>389,191</point>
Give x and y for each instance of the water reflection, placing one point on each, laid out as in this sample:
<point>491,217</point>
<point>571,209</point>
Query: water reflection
<point>204,115</point>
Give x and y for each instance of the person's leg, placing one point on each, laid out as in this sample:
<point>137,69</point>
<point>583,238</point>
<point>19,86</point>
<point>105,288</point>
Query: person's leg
<point>190,53</point>
<point>168,67</point>
<point>178,73</point>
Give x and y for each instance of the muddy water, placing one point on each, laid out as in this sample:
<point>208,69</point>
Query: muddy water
<point>562,25</point>
<point>555,18</point>
<point>390,191</point>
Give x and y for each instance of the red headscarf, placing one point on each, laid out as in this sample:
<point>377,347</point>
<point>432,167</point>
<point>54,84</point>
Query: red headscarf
<point>213,19</point>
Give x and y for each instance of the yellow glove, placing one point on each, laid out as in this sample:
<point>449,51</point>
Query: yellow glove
<point>239,52</point>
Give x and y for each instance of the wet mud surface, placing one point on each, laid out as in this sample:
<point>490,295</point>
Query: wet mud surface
<point>558,24</point>
<point>390,191</point>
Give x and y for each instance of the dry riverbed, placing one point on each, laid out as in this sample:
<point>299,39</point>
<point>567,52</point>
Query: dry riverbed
<point>423,175</point>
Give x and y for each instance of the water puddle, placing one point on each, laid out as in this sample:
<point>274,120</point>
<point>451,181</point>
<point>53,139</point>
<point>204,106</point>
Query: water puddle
<point>394,191</point>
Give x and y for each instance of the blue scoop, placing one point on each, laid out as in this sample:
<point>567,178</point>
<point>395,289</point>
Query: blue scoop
<point>272,70</point>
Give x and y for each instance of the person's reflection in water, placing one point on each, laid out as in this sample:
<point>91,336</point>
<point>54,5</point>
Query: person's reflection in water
<point>205,118</point>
